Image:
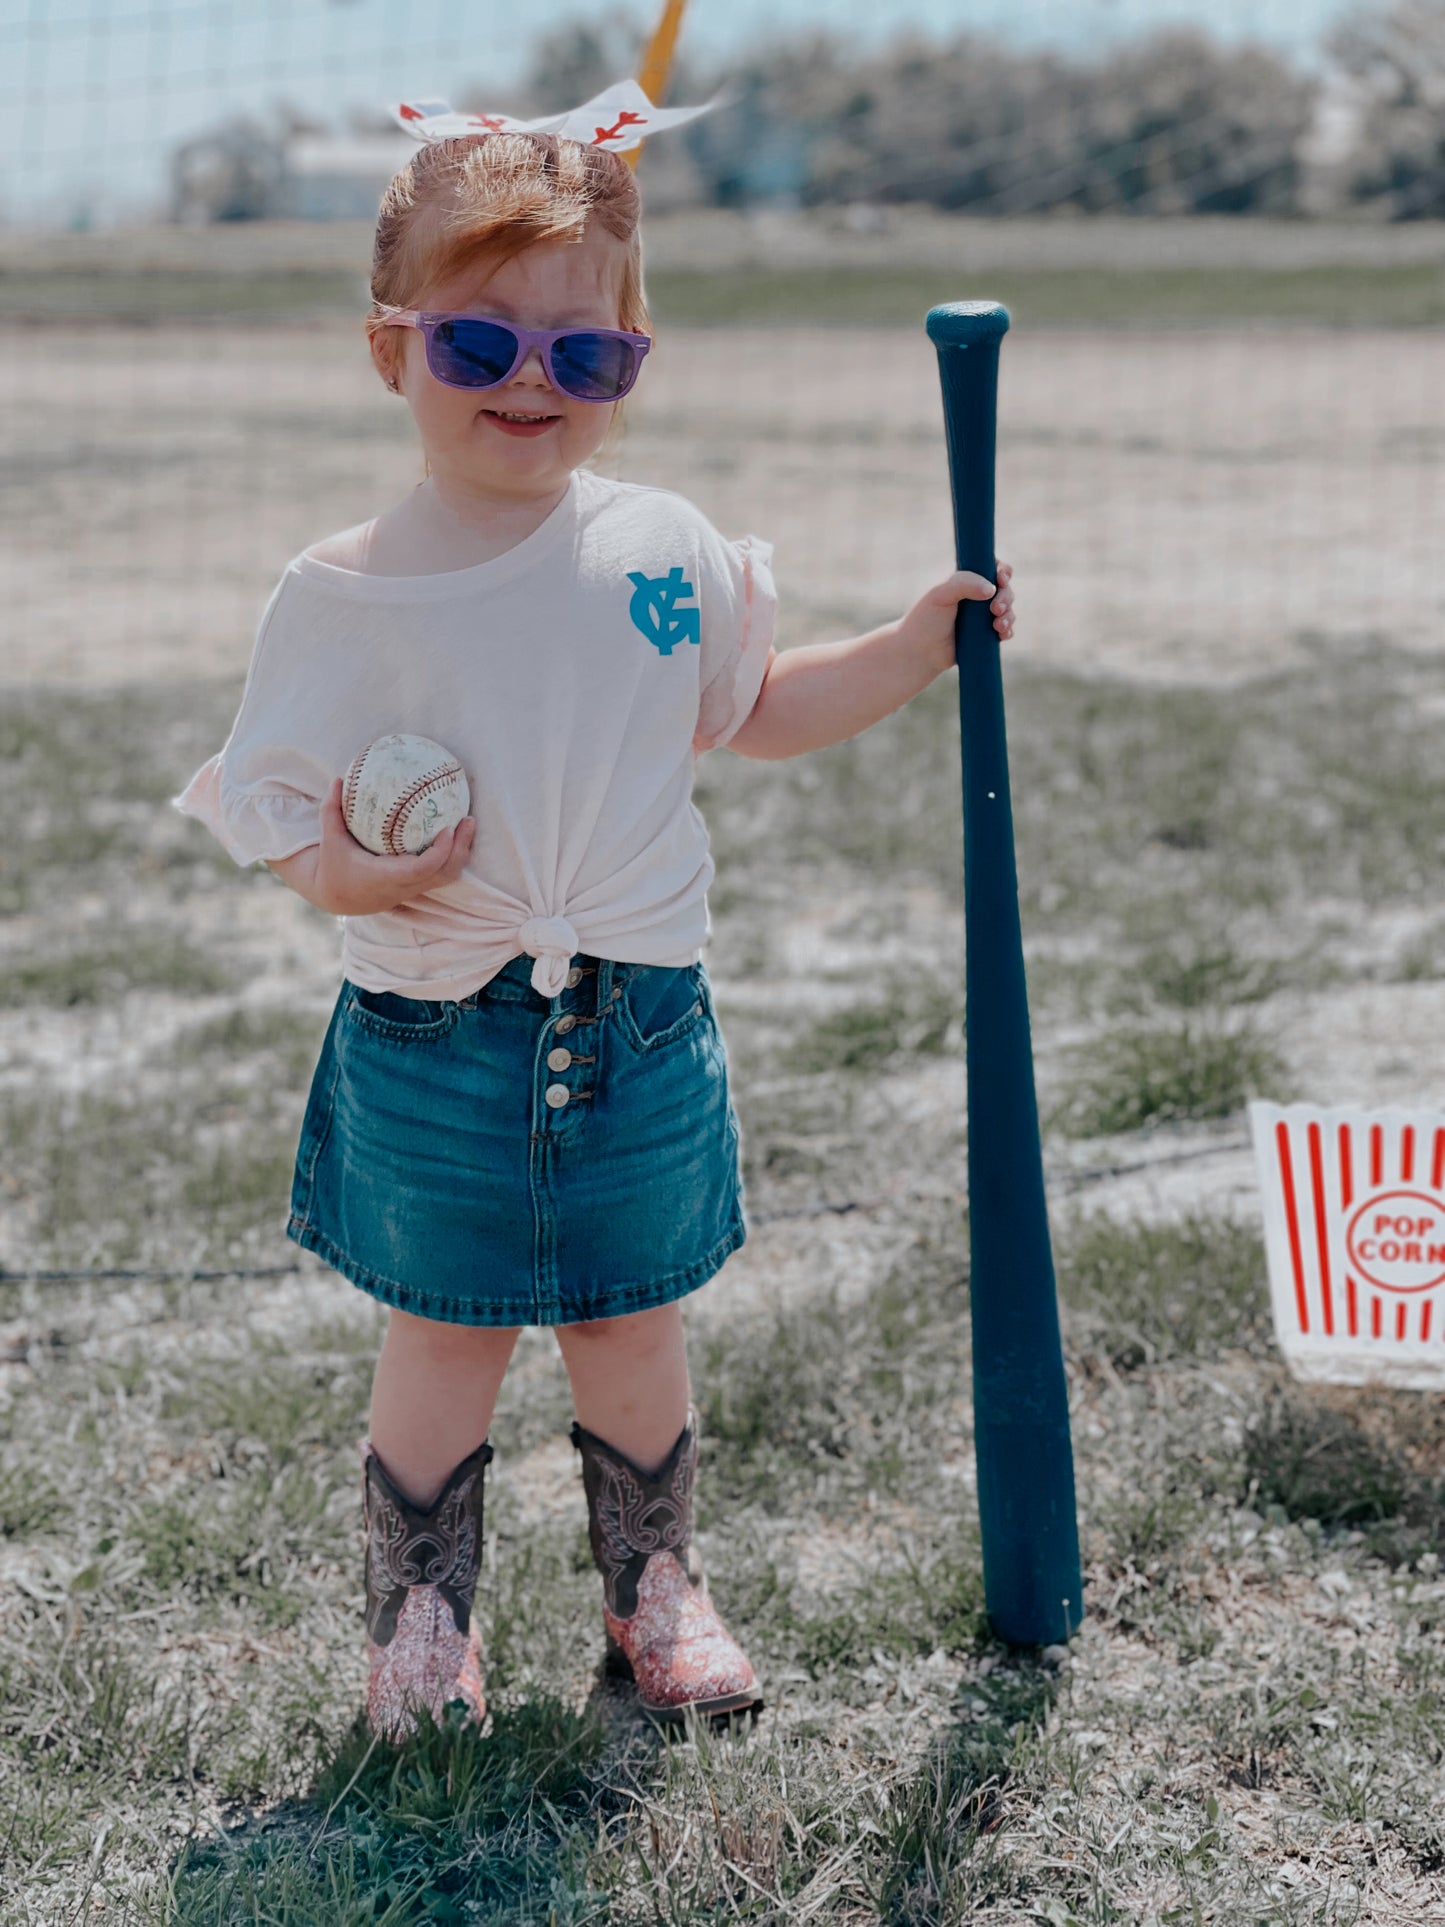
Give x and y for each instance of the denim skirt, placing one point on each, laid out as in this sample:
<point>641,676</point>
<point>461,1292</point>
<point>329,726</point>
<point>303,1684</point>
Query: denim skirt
<point>513,1159</point>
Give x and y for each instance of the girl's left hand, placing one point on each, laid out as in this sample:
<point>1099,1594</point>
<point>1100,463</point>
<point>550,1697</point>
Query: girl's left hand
<point>929,624</point>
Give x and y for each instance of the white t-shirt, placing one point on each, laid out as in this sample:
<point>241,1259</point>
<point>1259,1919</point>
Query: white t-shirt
<point>577,678</point>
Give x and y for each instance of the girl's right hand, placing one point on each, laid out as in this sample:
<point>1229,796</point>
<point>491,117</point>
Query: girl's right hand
<point>349,880</point>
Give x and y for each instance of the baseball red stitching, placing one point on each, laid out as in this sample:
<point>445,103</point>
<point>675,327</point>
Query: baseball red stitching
<point>348,799</point>
<point>398,812</point>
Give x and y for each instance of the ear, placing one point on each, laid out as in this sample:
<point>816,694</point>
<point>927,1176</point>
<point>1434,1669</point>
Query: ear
<point>385,344</point>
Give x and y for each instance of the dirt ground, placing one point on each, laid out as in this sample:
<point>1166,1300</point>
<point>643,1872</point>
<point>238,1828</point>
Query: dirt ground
<point>1179,506</point>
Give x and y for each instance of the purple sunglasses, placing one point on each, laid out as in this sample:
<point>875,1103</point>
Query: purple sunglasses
<point>478,351</point>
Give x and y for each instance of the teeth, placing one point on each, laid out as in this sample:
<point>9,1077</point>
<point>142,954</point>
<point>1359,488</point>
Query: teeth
<point>502,415</point>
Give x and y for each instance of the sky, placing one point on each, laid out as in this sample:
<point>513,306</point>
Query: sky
<point>95,93</point>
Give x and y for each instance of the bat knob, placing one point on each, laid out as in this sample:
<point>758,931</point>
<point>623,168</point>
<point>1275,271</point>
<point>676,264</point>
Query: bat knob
<point>967,324</point>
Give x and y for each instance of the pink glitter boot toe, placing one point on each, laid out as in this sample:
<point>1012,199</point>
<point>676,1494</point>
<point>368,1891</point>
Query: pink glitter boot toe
<point>662,1629</point>
<point>421,1574</point>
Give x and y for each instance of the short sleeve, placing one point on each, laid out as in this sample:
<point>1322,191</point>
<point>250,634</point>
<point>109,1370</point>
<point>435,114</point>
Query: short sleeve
<point>739,604</point>
<point>255,822</point>
<point>261,795</point>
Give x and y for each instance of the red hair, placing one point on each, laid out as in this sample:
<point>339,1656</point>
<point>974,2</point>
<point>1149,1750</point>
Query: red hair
<point>478,201</point>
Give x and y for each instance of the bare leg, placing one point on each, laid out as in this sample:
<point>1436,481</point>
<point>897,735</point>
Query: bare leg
<point>433,1397</point>
<point>629,1381</point>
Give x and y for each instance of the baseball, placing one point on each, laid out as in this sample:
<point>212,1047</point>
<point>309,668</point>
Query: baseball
<point>401,792</point>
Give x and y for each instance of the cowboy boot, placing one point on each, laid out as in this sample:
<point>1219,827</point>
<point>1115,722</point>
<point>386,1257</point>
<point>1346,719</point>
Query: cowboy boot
<point>662,1631</point>
<point>421,1573</point>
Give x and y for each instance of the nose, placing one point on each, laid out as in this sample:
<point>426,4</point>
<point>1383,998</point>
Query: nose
<point>533,369</point>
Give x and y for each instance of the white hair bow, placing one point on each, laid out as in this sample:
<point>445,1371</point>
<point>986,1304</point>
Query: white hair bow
<point>620,117</point>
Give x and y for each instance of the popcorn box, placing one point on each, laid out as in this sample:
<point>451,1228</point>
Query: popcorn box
<point>1354,1222</point>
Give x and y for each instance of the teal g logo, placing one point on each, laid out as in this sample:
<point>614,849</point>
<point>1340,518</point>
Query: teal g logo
<point>654,609</point>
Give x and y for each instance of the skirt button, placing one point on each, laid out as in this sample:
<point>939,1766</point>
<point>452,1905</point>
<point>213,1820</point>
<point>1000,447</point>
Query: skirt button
<point>557,1095</point>
<point>559,1059</point>
<point>564,1024</point>
<point>574,977</point>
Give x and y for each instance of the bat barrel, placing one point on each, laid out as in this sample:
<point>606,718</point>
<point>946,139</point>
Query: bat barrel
<point>1027,1512</point>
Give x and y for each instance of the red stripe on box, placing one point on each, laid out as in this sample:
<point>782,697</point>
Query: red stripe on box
<point>1407,1153</point>
<point>1425,1310</point>
<point>1291,1218</point>
<point>1437,1165</point>
<point>1377,1154</point>
<point>1400,1319</point>
<point>1375,1317</point>
<point>1347,1192</point>
<point>1322,1236</point>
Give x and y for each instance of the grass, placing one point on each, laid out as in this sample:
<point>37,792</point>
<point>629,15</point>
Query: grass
<point>1192,1070</point>
<point>107,971</point>
<point>1139,1293</point>
<point>916,1019</point>
<point>1399,296</point>
<point>1129,807</point>
<point>1251,1724</point>
<point>1319,1465</point>
<point>1422,958</point>
<point>81,294</point>
<point>1353,1460</point>
<point>193,1189</point>
<point>1199,975</point>
<point>1341,297</point>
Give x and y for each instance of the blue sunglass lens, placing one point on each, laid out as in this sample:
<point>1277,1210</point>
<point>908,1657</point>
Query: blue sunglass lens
<point>472,354</point>
<point>593,367</point>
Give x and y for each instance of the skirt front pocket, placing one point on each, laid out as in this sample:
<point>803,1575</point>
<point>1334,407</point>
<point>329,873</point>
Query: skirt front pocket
<point>660,1004</point>
<point>405,1020</point>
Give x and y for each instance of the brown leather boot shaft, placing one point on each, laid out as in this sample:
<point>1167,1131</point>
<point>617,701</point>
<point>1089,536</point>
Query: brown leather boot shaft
<point>631,1516</point>
<point>408,1546</point>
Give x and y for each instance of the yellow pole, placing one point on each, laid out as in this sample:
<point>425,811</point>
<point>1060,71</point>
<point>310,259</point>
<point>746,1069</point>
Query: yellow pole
<point>657,61</point>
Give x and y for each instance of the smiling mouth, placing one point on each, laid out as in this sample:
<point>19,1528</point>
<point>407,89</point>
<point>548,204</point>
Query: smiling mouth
<point>515,415</point>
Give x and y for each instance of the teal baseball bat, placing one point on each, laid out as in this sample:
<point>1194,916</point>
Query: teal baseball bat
<point>1032,1583</point>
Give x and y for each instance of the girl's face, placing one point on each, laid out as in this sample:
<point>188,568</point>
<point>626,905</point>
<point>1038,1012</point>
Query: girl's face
<point>522,438</point>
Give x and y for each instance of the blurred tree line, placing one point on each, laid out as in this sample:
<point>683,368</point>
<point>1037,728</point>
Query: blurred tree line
<point>1171,123</point>
<point>1396,60</point>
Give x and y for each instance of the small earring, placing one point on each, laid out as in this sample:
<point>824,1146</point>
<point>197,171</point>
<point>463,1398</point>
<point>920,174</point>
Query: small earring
<point>394,386</point>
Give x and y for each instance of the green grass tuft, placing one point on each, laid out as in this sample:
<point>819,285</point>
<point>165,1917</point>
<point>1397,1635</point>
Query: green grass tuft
<point>925,1605</point>
<point>915,1020</point>
<point>1320,1463</point>
<point>927,1864</point>
<point>451,1826</point>
<point>1140,1293</point>
<point>538,1754</point>
<point>1199,976</point>
<point>1195,1070</point>
<point>29,1503</point>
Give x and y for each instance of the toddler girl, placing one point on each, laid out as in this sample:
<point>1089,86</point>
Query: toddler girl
<point>521,1111</point>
